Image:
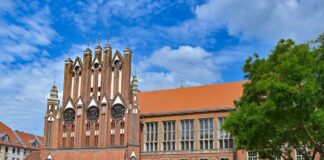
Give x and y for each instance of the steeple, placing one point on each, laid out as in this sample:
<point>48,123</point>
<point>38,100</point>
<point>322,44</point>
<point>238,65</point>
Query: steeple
<point>135,84</point>
<point>54,92</point>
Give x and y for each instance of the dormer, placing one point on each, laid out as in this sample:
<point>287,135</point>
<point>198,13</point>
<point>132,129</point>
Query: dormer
<point>33,143</point>
<point>4,137</point>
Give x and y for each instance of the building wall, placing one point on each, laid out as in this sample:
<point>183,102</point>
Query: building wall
<point>100,81</point>
<point>10,155</point>
<point>197,153</point>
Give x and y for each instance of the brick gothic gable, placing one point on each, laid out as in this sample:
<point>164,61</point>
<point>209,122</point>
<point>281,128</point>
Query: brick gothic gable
<point>85,126</point>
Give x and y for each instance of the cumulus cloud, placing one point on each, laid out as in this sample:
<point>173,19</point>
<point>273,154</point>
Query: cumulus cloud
<point>23,92</point>
<point>170,67</point>
<point>256,19</point>
<point>26,74</point>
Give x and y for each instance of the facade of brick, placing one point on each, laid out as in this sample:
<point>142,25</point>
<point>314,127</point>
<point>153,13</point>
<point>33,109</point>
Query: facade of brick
<point>103,115</point>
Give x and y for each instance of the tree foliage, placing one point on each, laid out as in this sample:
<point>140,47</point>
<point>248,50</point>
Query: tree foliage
<point>282,106</point>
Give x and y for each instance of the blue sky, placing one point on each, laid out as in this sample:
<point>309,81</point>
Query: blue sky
<point>199,42</point>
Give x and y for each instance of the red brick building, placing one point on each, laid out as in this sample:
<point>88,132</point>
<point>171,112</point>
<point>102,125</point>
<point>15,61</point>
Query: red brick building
<point>17,145</point>
<point>104,116</point>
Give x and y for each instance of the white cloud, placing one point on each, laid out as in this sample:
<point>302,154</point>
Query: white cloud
<point>101,11</point>
<point>24,85</point>
<point>192,65</point>
<point>23,92</point>
<point>22,38</point>
<point>255,19</point>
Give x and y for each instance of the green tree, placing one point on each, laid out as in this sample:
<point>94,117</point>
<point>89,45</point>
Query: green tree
<point>282,106</point>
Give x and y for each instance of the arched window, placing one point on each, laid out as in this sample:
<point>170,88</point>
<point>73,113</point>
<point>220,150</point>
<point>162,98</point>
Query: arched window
<point>93,114</point>
<point>118,112</point>
<point>69,114</point>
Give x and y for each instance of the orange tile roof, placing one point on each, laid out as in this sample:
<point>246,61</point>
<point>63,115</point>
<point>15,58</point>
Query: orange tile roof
<point>13,140</point>
<point>181,100</point>
<point>27,138</point>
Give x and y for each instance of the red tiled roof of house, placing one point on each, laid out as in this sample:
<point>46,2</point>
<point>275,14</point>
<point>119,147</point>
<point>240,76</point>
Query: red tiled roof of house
<point>13,140</point>
<point>28,138</point>
<point>180,100</point>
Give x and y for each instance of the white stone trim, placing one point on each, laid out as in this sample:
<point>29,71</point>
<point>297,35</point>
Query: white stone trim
<point>72,88</point>
<point>112,85</point>
<point>118,100</point>
<point>69,105</point>
<point>92,103</point>
<point>120,81</point>
<point>92,80</point>
<point>99,79</point>
<point>133,154</point>
<point>104,100</point>
<point>79,88</point>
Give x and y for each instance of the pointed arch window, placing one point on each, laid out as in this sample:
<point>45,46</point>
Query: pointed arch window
<point>118,112</point>
<point>93,113</point>
<point>69,114</point>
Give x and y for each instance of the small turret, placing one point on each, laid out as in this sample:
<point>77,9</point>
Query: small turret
<point>54,92</point>
<point>135,84</point>
<point>98,51</point>
<point>87,51</point>
<point>127,51</point>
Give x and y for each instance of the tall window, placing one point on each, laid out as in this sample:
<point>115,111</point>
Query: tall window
<point>72,128</point>
<point>122,139</point>
<point>169,136</point>
<point>72,142</point>
<point>225,139</point>
<point>187,134</point>
<point>112,132</point>
<point>206,133</point>
<point>151,136</point>
<point>49,134</point>
<point>87,141</point>
<point>64,142</point>
<point>112,139</point>
<point>252,155</point>
<point>96,140</point>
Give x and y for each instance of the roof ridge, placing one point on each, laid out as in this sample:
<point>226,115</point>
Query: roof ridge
<point>198,86</point>
<point>19,138</point>
<point>38,140</point>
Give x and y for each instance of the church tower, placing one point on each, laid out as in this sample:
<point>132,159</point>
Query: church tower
<point>52,119</point>
<point>99,107</point>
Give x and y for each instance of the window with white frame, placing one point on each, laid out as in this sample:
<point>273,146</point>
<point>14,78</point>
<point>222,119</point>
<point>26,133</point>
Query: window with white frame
<point>252,155</point>
<point>187,134</point>
<point>225,141</point>
<point>151,136</point>
<point>206,133</point>
<point>299,155</point>
<point>169,133</point>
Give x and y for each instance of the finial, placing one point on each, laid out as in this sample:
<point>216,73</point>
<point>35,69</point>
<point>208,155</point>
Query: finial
<point>54,83</point>
<point>107,45</point>
<point>182,83</point>
<point>98,40</point>
<point>134,69</point>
